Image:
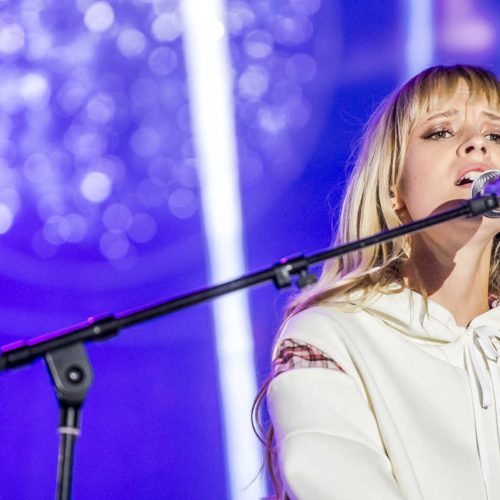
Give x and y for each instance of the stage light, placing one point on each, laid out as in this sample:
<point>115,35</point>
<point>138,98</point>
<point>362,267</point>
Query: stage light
<point>212,109</point>
<point>420,39</point>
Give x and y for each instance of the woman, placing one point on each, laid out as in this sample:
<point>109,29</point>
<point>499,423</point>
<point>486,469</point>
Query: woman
<point>385,381</point>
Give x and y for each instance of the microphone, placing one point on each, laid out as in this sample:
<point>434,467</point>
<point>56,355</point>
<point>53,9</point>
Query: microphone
<point>487,183</point>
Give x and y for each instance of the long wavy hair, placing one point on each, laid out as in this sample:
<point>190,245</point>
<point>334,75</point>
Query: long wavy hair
<point>368,208</point>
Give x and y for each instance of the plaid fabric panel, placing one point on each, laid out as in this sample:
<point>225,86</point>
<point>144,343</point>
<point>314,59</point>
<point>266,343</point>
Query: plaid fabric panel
<point>293,355</point>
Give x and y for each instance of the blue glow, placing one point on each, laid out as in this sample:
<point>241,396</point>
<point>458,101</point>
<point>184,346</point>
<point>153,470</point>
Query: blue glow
<point>420,40</point>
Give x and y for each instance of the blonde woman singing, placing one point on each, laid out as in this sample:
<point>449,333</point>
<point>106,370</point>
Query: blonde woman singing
<point>385,381</point>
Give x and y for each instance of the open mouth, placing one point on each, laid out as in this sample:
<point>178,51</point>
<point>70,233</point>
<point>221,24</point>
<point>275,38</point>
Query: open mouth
<point>468,178</point>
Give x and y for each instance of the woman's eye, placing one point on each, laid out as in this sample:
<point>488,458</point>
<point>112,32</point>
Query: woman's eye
<point>439,134</point>
<point>494,137</point>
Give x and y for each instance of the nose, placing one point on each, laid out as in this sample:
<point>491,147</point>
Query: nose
<point>474,144</point>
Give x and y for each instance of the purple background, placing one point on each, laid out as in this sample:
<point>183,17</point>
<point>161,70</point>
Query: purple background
<point>85,111</point>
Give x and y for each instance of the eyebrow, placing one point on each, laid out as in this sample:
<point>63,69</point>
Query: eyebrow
<point>444,114</point>
<point>453,112</point>
<point>491,116</point>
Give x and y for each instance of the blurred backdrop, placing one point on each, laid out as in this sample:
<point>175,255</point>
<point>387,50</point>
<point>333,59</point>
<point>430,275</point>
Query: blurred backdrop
<point>153,147</point>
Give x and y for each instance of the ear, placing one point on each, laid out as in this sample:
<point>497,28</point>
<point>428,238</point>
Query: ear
<point>396,199</point>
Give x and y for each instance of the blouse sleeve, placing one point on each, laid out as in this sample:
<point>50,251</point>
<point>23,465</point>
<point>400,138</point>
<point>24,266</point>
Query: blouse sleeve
<point>329,446</point>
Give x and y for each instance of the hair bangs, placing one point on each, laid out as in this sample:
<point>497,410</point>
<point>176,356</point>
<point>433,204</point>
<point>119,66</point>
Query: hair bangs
<point>431,89</point>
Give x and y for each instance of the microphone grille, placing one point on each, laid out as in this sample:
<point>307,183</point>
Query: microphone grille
<point>478,189</point>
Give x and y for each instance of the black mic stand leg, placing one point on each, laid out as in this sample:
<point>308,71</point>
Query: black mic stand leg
<point>71,375</point>
<point>69,429</point>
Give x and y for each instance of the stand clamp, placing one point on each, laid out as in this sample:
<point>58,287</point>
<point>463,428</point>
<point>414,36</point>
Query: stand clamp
<point>287,266</point>
<point>72,375</point>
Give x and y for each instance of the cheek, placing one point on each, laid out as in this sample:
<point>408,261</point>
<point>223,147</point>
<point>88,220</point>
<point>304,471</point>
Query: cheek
<point>412,183</point>
<point>419,193</point>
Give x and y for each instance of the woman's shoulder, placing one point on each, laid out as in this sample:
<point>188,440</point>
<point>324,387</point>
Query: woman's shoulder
<point>317,337</point>
<point>332,325</point>
<point>324,317</point>
<point>321,326</point>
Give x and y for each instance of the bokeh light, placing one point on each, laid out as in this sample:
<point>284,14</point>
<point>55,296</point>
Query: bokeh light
<point>95,115</point>
<point>96,186</point>
<point>99,17</point>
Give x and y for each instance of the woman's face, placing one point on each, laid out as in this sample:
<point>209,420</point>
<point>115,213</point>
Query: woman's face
<point>447,149</point>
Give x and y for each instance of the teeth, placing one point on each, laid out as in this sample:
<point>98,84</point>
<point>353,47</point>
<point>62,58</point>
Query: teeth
<point>468,177</point>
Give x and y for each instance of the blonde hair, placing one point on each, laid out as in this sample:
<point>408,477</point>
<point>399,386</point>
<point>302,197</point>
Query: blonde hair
<point>351,281</point>
<point>367,206</point>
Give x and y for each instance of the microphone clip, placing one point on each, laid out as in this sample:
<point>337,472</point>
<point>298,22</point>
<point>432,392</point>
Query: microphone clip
<point>482,204</point>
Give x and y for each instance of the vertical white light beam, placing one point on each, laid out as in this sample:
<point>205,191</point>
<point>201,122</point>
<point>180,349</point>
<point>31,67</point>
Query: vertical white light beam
<point>210,88</point>
<point>420,40</point>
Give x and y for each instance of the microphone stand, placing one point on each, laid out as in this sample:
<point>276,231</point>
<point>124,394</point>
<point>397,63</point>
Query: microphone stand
<point>65,354</point>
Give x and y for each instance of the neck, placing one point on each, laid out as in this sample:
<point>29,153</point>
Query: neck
<point>456,280</point>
